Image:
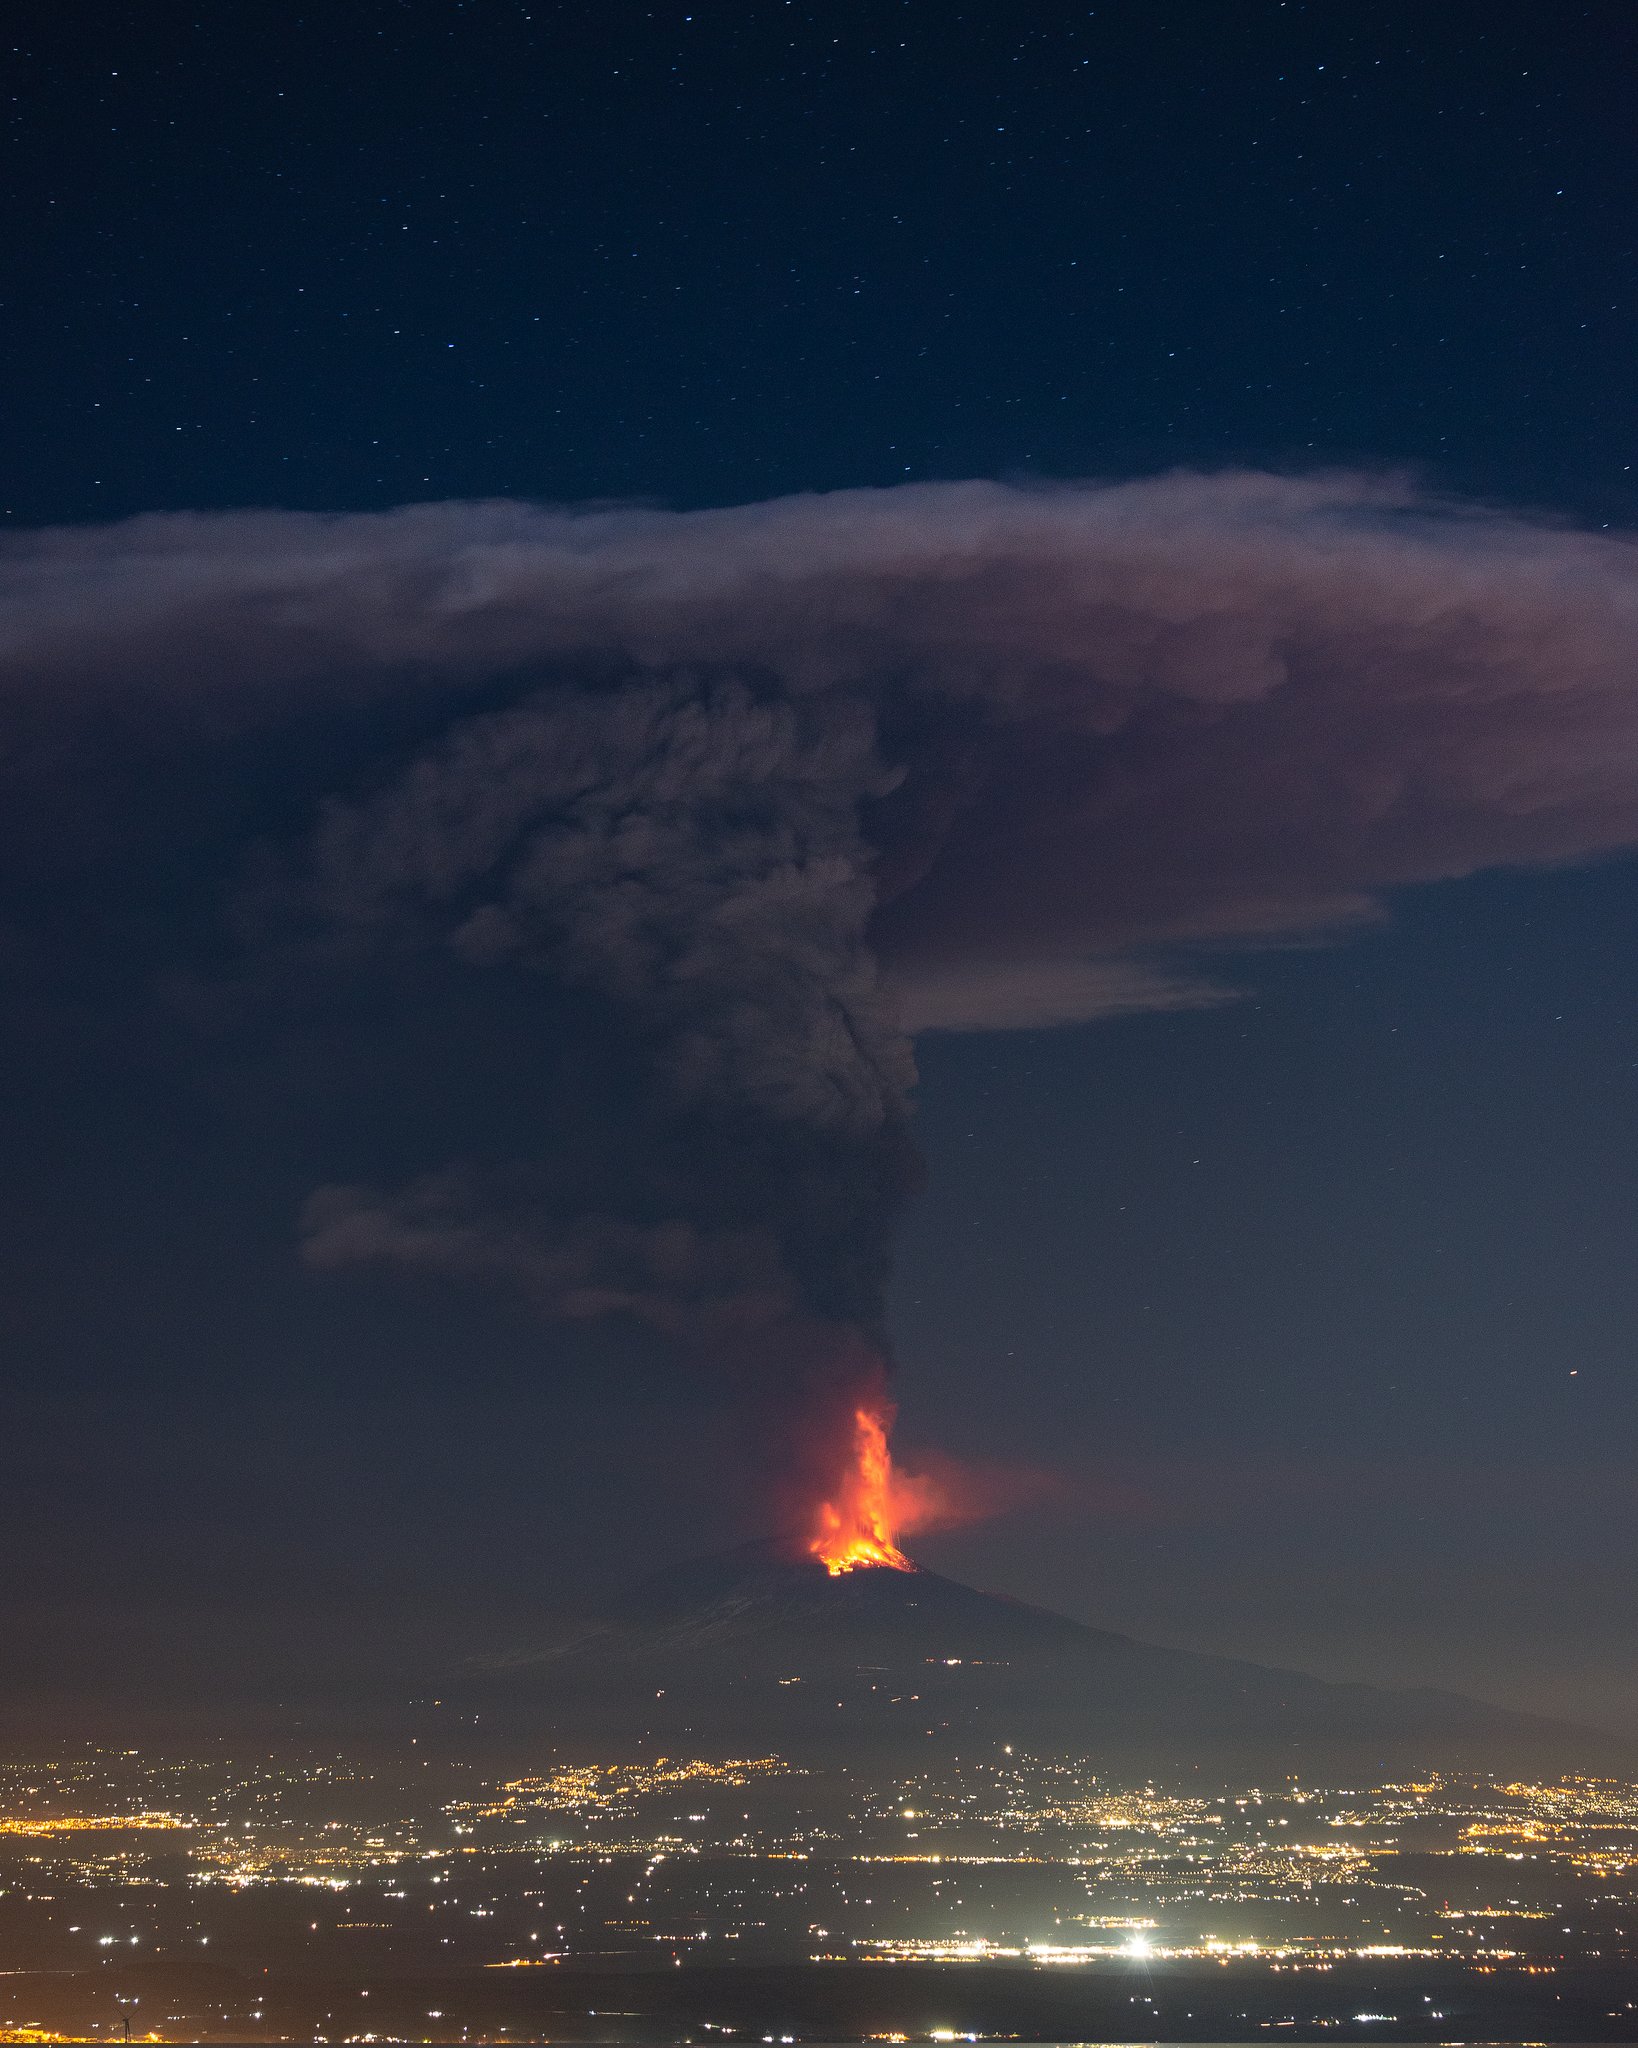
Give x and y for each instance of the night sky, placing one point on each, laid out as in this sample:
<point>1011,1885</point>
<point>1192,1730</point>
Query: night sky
<point>1297,1325</point>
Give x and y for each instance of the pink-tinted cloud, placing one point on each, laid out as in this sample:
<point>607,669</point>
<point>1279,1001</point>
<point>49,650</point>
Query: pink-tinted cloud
<point>1126,717</point>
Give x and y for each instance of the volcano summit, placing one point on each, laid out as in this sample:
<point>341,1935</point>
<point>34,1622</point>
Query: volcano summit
<point>764,1649</point>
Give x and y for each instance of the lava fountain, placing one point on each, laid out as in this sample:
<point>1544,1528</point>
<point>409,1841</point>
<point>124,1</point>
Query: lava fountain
<point>856,1527</point>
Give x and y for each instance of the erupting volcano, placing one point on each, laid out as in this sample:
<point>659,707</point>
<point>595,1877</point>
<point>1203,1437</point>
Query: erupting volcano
<point>857,1527</point>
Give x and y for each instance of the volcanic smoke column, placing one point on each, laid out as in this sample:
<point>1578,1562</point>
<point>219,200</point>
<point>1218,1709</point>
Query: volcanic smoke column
<point>688,857</point>
<point>1034,751</point>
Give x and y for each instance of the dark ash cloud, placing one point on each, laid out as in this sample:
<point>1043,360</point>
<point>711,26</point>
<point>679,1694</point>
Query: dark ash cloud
<point>776,787</point>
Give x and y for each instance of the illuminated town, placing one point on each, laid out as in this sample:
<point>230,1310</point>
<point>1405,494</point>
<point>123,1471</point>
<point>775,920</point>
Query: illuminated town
<point>207,1899</point>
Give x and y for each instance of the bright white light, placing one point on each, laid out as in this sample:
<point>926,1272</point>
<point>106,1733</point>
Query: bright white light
<point>1137,1946</point>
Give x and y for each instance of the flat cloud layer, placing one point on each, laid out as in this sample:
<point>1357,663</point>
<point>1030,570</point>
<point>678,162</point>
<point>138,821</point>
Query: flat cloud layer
<point>1124,717</point>
<point>781,785</point>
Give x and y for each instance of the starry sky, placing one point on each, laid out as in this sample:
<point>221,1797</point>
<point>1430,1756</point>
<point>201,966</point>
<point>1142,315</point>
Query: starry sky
<point>1305,1321</point>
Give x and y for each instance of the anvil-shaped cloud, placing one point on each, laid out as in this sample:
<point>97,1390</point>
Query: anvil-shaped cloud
<point>776,787</point>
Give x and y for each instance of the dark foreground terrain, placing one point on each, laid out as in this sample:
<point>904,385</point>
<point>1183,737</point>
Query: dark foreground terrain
<point>842,2002</point>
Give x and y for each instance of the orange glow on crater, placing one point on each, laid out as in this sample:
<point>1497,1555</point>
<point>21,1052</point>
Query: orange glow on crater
<point>857,1527</point>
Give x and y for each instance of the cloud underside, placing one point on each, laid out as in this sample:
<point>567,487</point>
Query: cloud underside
<point>1035,995</point>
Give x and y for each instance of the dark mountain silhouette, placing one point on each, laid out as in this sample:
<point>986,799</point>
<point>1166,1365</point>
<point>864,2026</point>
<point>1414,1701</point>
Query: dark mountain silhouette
<point>758,1649</point>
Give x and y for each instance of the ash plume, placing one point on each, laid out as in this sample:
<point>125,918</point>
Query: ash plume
<point>772,789</point>
<point>691,853</point>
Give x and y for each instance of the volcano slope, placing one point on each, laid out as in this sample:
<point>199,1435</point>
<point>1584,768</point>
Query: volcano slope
<point>758,1650</point>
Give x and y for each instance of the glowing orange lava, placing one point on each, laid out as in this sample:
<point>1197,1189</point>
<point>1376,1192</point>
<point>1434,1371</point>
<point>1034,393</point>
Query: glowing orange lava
<point>857,1527</point>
